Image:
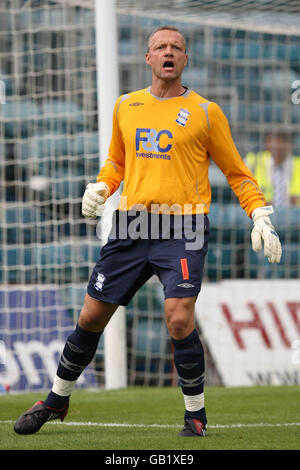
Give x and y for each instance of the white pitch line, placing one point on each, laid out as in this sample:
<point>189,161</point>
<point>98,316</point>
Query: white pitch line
<point>131,425</point>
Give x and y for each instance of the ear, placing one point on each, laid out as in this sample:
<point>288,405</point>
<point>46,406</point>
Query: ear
<point>147,56</point>
<point>186,60</point>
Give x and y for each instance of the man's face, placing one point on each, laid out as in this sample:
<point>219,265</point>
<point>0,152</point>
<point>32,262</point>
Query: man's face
<point>166,56</point>
<point>278,147</point>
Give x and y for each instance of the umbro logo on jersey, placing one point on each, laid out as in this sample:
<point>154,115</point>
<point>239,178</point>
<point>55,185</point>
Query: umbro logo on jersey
<point>136,103</point>
<point>186,285</point>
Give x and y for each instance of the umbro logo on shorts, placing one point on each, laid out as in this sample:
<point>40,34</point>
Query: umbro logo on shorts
<point>186,285</point>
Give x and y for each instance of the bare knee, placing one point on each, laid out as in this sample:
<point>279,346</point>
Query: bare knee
<point>95,314</point>
<point>180,316</point>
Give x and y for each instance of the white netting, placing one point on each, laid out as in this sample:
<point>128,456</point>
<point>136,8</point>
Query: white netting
<point>275,17</point>
<point>243,54</point>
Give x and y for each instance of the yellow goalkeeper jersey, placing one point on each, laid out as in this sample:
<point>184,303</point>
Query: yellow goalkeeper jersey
<point>161,149</point>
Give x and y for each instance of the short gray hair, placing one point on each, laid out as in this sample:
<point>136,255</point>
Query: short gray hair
<point>165,28</point>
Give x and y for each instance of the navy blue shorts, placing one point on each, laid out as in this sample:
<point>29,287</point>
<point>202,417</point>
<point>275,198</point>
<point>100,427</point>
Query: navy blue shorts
<point>127,262</point>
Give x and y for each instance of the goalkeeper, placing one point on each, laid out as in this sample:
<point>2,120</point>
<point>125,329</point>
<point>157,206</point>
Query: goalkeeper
<point>162,140</point>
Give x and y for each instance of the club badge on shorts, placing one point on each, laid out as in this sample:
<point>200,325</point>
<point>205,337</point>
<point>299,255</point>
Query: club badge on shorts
<point>100,281</point>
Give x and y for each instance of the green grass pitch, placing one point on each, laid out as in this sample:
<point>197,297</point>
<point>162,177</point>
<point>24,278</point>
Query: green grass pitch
<point>254,418</point>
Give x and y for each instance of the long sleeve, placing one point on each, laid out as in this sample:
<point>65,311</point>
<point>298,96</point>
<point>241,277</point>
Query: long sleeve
<point>112,172</point>
<point>223,151</point>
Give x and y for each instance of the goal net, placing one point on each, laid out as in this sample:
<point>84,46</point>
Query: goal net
<point>245,55</point>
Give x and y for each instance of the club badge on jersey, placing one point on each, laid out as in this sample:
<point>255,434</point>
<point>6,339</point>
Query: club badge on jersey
<point>182,117</point>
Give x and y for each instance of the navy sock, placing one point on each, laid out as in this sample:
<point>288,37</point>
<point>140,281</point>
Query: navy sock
<point>55,401</point>
<point>200,414</point>
<point>78,352</point>
<point>190,365</point>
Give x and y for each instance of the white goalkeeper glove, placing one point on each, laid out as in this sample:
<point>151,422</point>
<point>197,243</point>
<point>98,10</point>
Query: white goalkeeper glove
<point>264,230</point>
<point>93,201</point>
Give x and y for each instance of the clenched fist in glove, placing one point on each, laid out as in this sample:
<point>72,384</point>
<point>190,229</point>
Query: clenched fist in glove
<point>263,230</point>
<point>94,199</point>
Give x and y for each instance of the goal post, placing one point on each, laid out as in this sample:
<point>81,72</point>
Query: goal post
<point>115,358</point>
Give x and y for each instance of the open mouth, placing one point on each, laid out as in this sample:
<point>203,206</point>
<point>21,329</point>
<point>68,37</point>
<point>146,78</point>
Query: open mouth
<point>168,65</point>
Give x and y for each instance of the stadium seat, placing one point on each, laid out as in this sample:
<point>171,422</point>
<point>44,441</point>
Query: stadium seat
<point>196,77</point>
<point>286,221</point>
<point>219,261</point>
<point>233,224</point>
<point>128,47</point>
<point>288,268</point>
<point>23,215</point>
<point>18,256</point>
<point>19,118</point>
<point>141,300</point>
<point>295,114</point>
<point>61,116</point>
<point>73,294</point>
<point>221,49</point>
<point>58,159</point>
<point>2,149</point>
<point>43,146</point>
<point>253,262</point>
<point>149,334</point>
<point>291,259</point>
<point>65,254</point>
<point>49,262</point>
<point>19,225</point>
<point>229,221</point>
<point>230,244</point>
<point>294,52</point>
<point>273,113</point>
<point>65,178</point>
<point>8,86</point>
<point>67,188</point>
<point>245,50</point>
<point>55,144</point>
<point>261,112</point>
<point>149,349</point>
